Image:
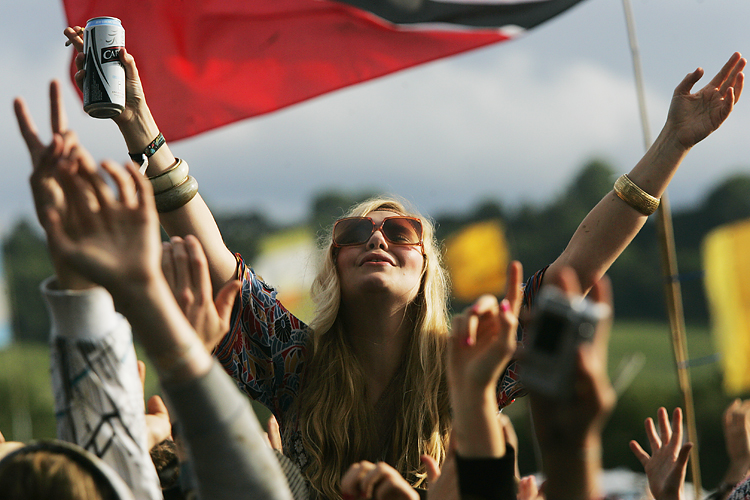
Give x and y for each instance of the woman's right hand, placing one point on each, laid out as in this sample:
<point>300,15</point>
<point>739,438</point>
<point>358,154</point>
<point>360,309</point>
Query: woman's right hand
<point>135,99</point>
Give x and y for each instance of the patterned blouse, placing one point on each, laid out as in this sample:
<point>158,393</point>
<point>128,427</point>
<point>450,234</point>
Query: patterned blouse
<point>265,349</point>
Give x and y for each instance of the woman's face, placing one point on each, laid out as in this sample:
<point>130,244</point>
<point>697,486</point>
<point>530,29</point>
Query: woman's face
<point>379,266</point>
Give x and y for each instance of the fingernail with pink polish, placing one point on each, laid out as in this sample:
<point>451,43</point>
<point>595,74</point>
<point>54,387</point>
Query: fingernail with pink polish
<point>468,341</point>
<point>505,305</point>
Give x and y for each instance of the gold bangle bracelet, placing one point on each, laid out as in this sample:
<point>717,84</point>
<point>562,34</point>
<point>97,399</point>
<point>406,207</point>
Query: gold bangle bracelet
<point>634,196</point>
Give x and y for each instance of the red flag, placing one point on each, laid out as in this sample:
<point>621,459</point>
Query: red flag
<point>209,63</point>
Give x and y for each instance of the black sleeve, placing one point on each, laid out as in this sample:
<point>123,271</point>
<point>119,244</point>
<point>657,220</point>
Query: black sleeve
<point>487,478</point>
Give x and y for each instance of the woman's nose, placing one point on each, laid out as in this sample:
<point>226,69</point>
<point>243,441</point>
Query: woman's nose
<point>377,240</point>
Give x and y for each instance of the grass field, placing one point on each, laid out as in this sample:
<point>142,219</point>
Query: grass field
<point>26,404</point>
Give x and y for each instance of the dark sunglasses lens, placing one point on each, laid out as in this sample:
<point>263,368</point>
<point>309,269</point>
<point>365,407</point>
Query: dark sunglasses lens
<point>352,231</point>
<point>403,231</point>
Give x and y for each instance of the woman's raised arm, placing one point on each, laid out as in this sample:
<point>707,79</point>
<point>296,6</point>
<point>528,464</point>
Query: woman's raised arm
<point>139,129</point>
<point>613,222</point>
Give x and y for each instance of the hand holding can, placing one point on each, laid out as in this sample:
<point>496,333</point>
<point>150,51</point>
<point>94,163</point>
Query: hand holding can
<point>104,83</point>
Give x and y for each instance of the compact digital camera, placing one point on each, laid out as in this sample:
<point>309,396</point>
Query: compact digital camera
<point>559,323</point>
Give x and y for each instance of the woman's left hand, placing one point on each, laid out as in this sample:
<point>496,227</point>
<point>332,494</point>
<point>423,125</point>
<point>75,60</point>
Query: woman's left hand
<point>692,117</point>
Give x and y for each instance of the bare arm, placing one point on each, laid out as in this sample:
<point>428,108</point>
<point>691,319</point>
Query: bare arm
<point>139,128</point>
<point>612,224</point>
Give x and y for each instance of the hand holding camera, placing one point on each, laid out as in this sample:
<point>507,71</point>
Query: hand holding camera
<point>572,404</point>
<point>569,424</point>
<point>561,321</point>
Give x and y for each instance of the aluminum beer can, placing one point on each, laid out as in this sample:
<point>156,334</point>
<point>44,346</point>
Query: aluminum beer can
<point>104,83</point>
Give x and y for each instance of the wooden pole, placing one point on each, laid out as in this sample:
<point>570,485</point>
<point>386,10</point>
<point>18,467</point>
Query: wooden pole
<point>672,287</point>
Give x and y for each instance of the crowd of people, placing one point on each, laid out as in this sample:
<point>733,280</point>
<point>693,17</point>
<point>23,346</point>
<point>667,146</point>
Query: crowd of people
<point>382,395</point>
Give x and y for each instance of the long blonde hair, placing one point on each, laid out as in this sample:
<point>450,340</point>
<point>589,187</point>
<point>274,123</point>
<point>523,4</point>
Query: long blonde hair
<point>334,417</point>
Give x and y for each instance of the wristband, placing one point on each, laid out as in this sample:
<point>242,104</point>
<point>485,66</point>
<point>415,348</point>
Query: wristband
<point>142,158</point>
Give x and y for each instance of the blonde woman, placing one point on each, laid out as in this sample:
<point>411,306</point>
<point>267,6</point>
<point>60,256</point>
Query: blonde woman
<point>365,380</point>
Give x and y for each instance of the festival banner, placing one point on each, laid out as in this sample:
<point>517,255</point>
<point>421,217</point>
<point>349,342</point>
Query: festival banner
<point>727,281</point>
<point>477,259</point>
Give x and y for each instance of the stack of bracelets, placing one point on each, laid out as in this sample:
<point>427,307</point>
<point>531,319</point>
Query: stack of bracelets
<point>174,187</point>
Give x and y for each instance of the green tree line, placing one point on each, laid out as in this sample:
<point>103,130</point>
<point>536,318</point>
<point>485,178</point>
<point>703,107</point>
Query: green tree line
<point>536,235</point>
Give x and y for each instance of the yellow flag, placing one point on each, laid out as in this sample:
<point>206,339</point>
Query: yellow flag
<point>286,261</point>
<point>477,258</point>
<point>726,261</point>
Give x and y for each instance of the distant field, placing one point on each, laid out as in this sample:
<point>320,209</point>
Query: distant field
<point>25,395</point>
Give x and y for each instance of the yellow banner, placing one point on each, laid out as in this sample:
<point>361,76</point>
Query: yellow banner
<point>726,261</point>
<point>477,258</point>
<point>287,262</point>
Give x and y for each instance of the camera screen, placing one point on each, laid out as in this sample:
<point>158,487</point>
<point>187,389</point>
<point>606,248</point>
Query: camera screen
<point>549,328</point>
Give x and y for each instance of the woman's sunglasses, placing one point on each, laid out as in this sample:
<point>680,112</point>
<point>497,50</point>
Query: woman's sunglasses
<point>399,230</point>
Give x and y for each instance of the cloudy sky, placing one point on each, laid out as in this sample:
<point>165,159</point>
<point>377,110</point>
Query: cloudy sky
<point>513,121</point>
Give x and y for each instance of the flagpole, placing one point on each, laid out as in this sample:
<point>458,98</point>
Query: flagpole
<point>672,287</point>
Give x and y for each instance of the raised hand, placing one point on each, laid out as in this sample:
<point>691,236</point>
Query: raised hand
<point>116,244</point>
<point>483,340</point>
<point>583,417</point>
<point>47,159</point>
<point>667,464</point>
<point>483,337</point>
<point>365,480</point>
<point>135,99</point>
<point>158,425</point>
<point>186,269</point>
<point>569,430</point>
<point>737,437</point>
<point>694,116</point>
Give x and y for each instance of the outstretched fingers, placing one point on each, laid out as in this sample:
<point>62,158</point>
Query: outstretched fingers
<point>676,437</point>
<point>687,83</point>
<point>725,76</point>
<point>199,272</point>
<point>639,453</point>
<point>653,437</point>
<point>665,430</point>
<point>739,83</point>
<point>144,190</point>
<point>730,82</point>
